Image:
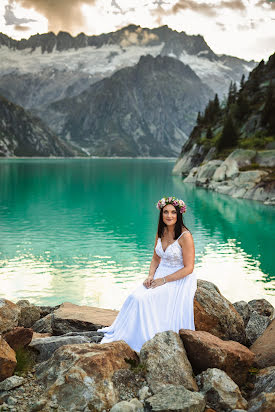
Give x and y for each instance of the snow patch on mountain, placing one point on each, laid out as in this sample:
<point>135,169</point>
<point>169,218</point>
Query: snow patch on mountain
<point>90,59</point>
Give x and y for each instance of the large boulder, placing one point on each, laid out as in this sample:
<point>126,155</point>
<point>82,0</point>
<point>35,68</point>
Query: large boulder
<point>265,158</point>
<point>262,306</point>
<point>29,314</point>
<point>265,382</point>
<point>207,170</point>
<point>264,347</point>
<point>7,360</point>
<point>207,351</point>
<point>175,398</point>
<point>73,318</point>
<point>215,314</point>
<point>255,327</point>
<point>263,403</point>
<point>243,157</point>
<point>9,314</point>
<point>18,337</point>
<point>192,176</point>
<point>227,170</point>
<point>134,405</point>
<point>220,391</point>
<point>256,315</point>
<point>80,376</point>
<point>47,346</point>
<point>166,362</point>
<point>44,325</point>
<point>248,179</point>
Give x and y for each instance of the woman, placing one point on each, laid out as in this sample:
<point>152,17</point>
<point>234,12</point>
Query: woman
<point>164,301</point>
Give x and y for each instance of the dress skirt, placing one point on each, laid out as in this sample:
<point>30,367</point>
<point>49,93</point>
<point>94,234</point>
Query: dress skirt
<point>147,311</point>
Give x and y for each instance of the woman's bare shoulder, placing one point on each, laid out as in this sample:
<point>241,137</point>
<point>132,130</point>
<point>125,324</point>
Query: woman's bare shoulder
<point>185,236</point>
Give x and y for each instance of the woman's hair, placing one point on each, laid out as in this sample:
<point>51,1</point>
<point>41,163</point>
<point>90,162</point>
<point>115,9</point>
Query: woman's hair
<point>178,226</point>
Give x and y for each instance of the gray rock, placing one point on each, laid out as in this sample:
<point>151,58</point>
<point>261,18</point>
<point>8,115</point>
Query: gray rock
<point>126,384</point>
<point>134,405</point>
<point>265,158</point>
<point>249,178</point>
<point>144,393</point>
<point>227,170</point>
<point>44,325</point>
<point>39,405</point>
<point>29,314</point>
<point>47,346</point>
<point>191,158</point>
<point>192,176</point>
<point>175,398</point>
<point>243,157</point>
<point>206,171</point>
<point>263,403</point>
<point>263,307</point>
<point>255,327</point>
<point>46,310</point>
<point>217,315</point>
<point>166,362</point>
<point>265,381</point>
<point>221,392</point>
<point>244,310</point>
<point>11,383</point>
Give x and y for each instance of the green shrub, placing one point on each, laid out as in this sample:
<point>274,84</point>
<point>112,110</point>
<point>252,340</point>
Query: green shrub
<point>25,358</point>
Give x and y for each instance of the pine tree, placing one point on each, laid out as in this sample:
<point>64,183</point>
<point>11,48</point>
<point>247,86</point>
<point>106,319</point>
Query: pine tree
<point>209,134</point>
<point>242,82</point>
<point>229,136</point>
<point>242,107</point>
<point>232,93</point>
<point>217,107</point>
<point>268,113</point>
<point>199,119</point>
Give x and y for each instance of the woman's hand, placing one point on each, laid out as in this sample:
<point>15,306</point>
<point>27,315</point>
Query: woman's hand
<point>148,281</point>
<point>157,282</point>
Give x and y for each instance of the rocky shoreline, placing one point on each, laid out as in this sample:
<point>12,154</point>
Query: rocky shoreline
<point>51,360</point>
<point>247,174</point>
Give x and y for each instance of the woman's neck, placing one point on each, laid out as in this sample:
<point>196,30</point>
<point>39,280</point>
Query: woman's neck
<point>170,230</point>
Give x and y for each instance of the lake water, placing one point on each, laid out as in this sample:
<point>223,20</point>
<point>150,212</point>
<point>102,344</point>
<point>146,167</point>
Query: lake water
<point>83,230</point>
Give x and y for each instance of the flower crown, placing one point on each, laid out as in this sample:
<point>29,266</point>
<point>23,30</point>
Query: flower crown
<point>172,201</point>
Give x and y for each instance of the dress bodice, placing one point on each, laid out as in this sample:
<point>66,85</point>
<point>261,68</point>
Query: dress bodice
<point>172,255</point>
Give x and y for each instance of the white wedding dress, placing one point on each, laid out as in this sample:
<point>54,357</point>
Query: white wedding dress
<point>147,311</point>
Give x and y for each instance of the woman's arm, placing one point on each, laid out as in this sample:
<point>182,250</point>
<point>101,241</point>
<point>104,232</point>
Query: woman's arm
<point>155,261</point>
<point>153,266</point>
<point>188,255</point>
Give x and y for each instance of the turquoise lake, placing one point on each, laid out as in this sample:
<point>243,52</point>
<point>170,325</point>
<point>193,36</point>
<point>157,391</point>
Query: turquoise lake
<point>83,230</point>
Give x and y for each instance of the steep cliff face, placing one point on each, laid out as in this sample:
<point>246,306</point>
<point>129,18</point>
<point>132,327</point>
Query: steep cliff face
<point>231,148</point>
<point>145,110</point>
<point>21,134</point>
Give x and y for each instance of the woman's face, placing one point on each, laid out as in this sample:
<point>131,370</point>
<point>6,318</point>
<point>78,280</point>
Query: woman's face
<point>169,215</point>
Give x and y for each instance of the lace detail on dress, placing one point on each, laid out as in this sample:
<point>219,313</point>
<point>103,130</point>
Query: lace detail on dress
<point>172,255</point>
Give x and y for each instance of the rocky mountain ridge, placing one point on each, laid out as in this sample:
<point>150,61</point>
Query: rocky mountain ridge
<point>65,65</point>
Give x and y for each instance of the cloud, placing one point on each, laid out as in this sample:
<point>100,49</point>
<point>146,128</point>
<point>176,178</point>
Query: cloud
<point>263,3</point>
<point>63,15</point>
<point>10,17</point>
<point>206,9</point>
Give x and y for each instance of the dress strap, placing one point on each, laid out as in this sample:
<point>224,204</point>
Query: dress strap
<point>183,233</point>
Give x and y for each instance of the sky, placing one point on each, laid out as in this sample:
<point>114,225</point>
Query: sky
<point>241,28</point>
